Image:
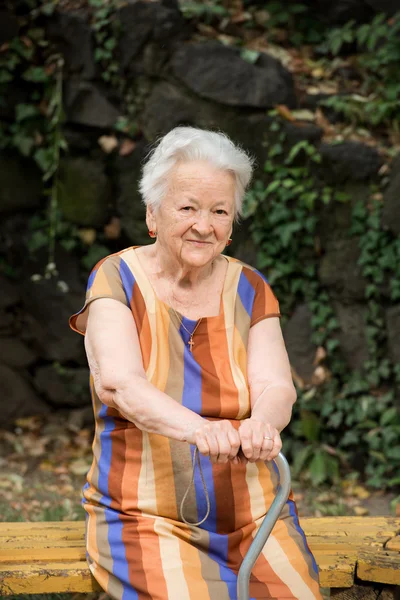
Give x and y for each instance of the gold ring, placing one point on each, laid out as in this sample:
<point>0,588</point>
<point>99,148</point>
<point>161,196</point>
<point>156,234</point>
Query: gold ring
<point>266,437</point>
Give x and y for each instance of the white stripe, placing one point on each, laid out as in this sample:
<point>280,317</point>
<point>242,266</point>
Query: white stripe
<point>171,561</point>
<point>147,500</point>
<point>229,300</point>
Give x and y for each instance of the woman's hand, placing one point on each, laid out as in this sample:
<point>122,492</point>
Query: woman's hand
<point>219,440</point>
<point>259,440</point>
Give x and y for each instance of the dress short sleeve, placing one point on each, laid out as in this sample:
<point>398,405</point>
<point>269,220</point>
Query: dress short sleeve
<point>265,304</point>
<point>104,282</point>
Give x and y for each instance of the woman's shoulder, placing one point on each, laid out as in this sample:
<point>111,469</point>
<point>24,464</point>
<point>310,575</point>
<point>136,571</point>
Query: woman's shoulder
<point>248,270</point>
<point>114,258</point>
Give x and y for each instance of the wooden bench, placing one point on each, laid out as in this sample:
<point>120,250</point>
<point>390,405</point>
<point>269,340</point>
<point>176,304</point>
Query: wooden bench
<point>358,557</point>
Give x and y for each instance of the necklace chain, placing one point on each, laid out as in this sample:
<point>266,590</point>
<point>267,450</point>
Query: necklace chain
<point>191,333</point>
<point>180,319</point>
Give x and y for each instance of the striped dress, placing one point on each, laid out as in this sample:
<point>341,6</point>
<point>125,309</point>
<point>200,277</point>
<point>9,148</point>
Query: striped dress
<point>138,546</point>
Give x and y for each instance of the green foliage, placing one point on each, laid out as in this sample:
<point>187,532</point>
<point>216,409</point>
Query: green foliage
<point>205,11</point>
<point>296,20</point>
<point>107,29</point>
<point>36,130</point>
<point>349,414</point>
<point>378,45</point>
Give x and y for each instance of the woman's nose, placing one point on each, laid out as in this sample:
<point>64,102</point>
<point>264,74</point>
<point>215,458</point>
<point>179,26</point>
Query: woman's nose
<point>202,223</point>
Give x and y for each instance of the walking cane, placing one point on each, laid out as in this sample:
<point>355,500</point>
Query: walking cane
<point>265,529</point>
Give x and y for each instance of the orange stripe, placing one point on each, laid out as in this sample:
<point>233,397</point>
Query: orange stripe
<point>191,566</point>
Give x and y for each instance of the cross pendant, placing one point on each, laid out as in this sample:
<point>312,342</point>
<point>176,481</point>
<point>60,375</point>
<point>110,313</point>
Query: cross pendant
<point>191,344</point>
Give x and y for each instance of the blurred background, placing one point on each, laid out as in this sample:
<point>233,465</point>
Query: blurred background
<point>312,90</point>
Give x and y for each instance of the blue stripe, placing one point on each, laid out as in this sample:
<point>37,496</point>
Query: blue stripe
<point>91,279</point>
<point>218,551</point>
<point>128,280</point>
<point>292,512</point>
<point>246,293</point>
<point>120,567</point>
<point>105,456</point>
<point>192,380</point>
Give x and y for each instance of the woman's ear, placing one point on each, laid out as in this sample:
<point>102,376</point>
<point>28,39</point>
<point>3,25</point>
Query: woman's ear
<point>150,219</point>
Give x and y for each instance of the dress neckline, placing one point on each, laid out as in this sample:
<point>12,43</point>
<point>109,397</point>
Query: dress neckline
<point>167,306</point>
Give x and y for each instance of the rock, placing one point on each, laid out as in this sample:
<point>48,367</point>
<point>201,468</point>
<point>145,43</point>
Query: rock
<point>301,350</point>
<point>71,36</point>
<point>390,7</point>
<point>338,270</point>
<point>349,161</point>
<point>86,104</point>
<point>63,386</point>
<point>9,26</point>
<point>19,398</point>
<point>352,338</point>
<point>218,73</point>
<point>14,353</point>
<point>391,199</point>
<point>166,108</point>
<point>130,205</point>
<point>148,23</point>
<point>85,192</point>
<point>9,295</point>
<point>45,327</point>
<point>335,218</point>
<point>393,328</point>
<point>6,323</point>
<point>21,184</point>
<point>297,132</point>
<point>342,11</point>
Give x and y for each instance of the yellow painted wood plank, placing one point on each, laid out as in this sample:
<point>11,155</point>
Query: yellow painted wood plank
<point>336,570</point>
<point>355,526</point>
<point>49,578</point>
<point>342,544</point>
<point>21,555</point>
<point>394,544</point>
<point>39,543</point>
<point>27,526</point>
<point>381,567</point>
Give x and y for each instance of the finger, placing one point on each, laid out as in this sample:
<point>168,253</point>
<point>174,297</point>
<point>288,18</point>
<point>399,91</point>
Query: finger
<point>224,447</point>
<point>245,435</point>
<point>202,445</point>
<point>234,440</point>
<point>276,448</point>
<point>257,445</point>
<point>213,445</point>
<point>267,448</point>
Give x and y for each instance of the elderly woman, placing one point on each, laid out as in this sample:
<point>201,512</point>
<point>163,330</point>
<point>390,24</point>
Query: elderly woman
<point>191,387</point>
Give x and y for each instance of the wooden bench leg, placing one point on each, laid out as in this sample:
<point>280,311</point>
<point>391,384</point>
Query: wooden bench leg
<point>367,592</point>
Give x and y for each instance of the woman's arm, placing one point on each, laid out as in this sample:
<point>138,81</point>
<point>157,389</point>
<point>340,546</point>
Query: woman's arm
<point>115,361</point>
<point>272,393</point>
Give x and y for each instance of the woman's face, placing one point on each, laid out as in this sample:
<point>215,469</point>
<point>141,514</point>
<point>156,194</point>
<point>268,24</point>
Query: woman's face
<point>194,221</point>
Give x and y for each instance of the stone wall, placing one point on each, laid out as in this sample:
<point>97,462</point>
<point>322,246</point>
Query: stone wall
<point>173,79</point>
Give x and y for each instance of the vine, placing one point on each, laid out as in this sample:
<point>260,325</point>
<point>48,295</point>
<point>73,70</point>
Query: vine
<point>342,414</point>
<point>36,129</point>
<point>378,45</point>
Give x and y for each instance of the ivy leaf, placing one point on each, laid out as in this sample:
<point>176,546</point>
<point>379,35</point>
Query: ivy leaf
<point>25,111</point>
<point>250,56</point>
<point>318,468</point>
<point>35,74</point>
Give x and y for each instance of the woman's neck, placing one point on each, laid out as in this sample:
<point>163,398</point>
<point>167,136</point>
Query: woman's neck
<point>180,275</point>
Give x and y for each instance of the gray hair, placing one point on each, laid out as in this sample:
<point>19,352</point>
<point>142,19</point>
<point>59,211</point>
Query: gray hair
<point>190,143</point>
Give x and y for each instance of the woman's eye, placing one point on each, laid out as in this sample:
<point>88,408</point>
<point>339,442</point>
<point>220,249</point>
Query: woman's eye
<point>220,211</point>
<point>186,208</point>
